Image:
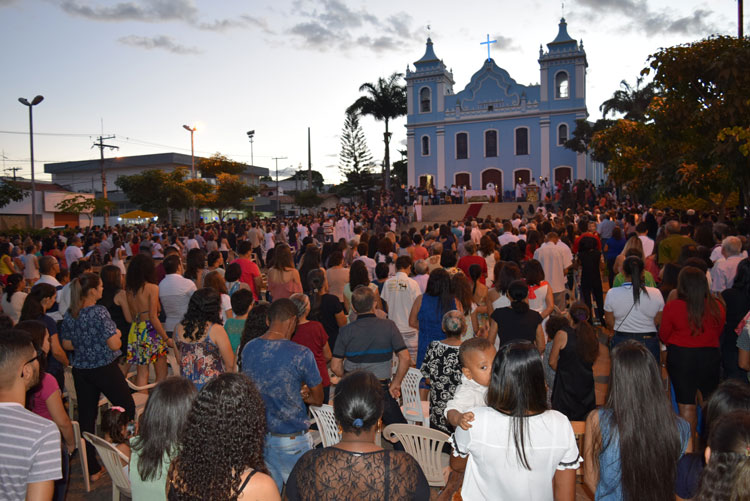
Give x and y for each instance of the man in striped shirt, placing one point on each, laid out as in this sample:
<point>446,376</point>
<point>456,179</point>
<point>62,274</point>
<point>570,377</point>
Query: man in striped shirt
<point>30,454</point>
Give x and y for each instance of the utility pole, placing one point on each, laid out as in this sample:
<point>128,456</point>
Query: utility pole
<point>309,162</point>
<point>278,200</point>
<point>13,170</point>
<point>101,147</point>
<point>740,24</point>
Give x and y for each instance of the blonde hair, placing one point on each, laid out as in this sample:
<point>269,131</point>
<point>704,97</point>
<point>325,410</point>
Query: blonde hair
<point>79,289</point>
<point>633,242</point>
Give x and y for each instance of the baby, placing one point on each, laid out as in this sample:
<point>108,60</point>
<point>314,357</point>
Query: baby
<point>476,356</point>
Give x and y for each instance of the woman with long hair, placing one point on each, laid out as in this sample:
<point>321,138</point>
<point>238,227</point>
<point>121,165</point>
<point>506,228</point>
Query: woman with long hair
<point>88,331</point>
<point>505,273</point>
<point>487,250</point>
<point>203,347</point>
<point>214,280</point>
<point>337,275</point>
<point>41,298</point>
<point>620,460</point>
<point>325,307</point>
<point>195,266</point>
<point>14,296</point>
<point>221,446</point>
<point>518,435</point>
<point>147,339</point>
<point>462,287</point>
<point>516,321</point>
<point>115,300</point>
<point>612,248</point>
<point>255,326</point>
<point>310,261</point>
<point>691,327</point>
<point>428,310</point>
<point>283,277</point>
<point>357,468</point>
<point>727,472</point>
<point>574,351</point>
<point>159,430</point>
<point>358,275</point>
<point>310,333</point>
<point>589,257</point>
<point>541,299</point>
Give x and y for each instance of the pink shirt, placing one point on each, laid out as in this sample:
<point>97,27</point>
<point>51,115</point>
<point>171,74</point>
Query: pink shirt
<point>39,400</point>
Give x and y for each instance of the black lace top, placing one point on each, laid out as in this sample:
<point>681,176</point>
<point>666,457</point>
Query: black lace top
<point>333,474</point>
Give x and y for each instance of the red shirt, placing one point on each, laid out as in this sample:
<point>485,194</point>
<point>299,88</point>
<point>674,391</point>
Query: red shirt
<point>418,252</point>
<point>465,262</point>
<point>313,336</point>
<point>675,327</point>
<point>587,234</point>
<point>250,270</point>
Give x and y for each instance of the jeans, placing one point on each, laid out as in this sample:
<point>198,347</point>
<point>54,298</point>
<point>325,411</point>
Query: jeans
<point>652,343</point>
<point>281,454</point>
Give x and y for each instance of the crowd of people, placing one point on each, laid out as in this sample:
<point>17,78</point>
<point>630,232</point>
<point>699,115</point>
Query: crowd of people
<point>259,319</point>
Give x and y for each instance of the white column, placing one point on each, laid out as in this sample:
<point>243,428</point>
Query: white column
<point>545,143</point>
<point>410,154</point>
<point>440,158</point>
<point>438,99</point>
<point>543,85</point>
<point>409,99</point>
<point>580,166</point>
<point>580,80</point>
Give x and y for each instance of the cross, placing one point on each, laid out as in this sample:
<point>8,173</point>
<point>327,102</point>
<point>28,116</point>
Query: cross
<point>487,43</point>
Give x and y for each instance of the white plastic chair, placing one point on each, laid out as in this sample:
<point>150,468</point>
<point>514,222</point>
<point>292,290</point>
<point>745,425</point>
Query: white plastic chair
<point>173,363</point>
<point>327,426</point>
<point>413,407</point>
<point>81,446</point>
<point>426,446</point>
<point>112,459</point>
<point>140,397</point>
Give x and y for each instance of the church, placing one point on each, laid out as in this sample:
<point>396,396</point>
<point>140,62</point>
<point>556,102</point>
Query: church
<point>496,130</point>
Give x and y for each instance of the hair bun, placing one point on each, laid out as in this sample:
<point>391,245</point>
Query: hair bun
<point>358,423</point>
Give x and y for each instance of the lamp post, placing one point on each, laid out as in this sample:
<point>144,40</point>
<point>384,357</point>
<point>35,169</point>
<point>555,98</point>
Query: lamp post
<point>251,135</point>
<point>34,102</point>
<point>192,162</point>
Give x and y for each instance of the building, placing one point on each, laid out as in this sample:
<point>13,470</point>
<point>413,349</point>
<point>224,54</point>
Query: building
<point>496,130</point>
<point>85,175</point>
<point>48,195</point>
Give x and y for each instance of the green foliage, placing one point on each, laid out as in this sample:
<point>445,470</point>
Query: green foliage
<point>80,204</point>
<point>632,102</point>
<point>157,191</point>
<point>219,164</point>
<point>230,192</point>
<point>10,192</point>
<point>317,178</point>
<point>385,101</point>
<point>580,142</point>
<point>307,198</point>
<point>355,159</point>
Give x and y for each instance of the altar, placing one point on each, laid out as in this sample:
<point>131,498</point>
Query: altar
<point>478,195</point>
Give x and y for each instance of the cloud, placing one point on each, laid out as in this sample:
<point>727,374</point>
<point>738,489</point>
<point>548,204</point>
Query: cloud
<point>331,24</point>
<point>506,43</point>
<point>257,22</point>
<point>5,3</point>
<point>159,42</point>
<point>642,18</point>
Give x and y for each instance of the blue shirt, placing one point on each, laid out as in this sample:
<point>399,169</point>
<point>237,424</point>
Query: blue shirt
<point>89,333</point>
<point>279,368</point>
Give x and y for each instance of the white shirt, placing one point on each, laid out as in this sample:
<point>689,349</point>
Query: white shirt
<point>476,235</point>
<point>175,292</point>
<point>49,279</point>
<point>554,260</point>
<point>13,307</point>
<point>369,264</point>
<point>469,394</point>
<point>640,318</point>
<point>72,254</point>
<point>648,245</point>
<point>506,238</point>
<point>191,244</point>
<point>400,292</point>
<point>493,470</point>
<point>422,281</point>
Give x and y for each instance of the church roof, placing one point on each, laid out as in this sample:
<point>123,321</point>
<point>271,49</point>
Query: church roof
<point>493,86</point>
<point>429,55</point>
<point>563,41</point>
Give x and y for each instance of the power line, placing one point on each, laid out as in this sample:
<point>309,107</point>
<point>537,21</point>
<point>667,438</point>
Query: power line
<point>26,133</point>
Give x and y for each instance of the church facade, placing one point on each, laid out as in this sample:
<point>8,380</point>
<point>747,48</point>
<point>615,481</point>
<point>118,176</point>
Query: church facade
<point>496,130</point>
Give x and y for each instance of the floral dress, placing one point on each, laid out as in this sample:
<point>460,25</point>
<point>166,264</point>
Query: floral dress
<point>442,367</point>
<point>145,345</point>
<point>200,361</point>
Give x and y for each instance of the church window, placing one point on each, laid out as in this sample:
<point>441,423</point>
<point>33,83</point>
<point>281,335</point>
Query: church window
<point>522,141</point>
<point>562,134</point>
<point>490,143</point>
<point>425,100</point>
<point>561,85</point>
<point>425,146</point>
<point>462,145</point>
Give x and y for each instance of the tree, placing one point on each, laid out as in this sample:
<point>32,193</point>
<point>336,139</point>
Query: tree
<point>632,102</point>
<point>80,204</point>
<point>157,191</point>
<point>355,159</point>
<point>307,198</point>
<point>581,140</point>
<point>10,192</point>
<point>385,101</point>
<point>317,178</point>
<point>230,193</point>
<point>217,164</point>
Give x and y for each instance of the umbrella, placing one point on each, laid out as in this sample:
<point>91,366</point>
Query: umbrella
<point>137,214</point>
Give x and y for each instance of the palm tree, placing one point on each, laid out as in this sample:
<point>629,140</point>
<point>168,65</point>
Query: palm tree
<point>632,102</point>
<point>385,100</point>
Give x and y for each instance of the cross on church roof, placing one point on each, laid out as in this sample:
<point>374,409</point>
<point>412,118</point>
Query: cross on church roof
<point>487,43</point>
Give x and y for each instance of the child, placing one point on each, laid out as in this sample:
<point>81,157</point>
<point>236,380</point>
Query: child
<point>381,275</point>
<point>115,427</point>
<point>30,266</point>
<point>232,277</point>
<point>476,356</point>
<point>442,369</point>
<point>242,302</point>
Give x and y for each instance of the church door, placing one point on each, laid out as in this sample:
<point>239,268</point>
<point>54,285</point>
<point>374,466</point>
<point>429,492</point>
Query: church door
<point>493,176</point>
<point>523,174</point>
<point>463,179</point>
<point>562,174</point>
<point>425,181</point>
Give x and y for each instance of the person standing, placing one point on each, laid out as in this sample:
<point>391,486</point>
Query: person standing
<point>555,258</point>
<point>255,236</point>
<point>279,367</point>
<point>250,271</point>
<point>174,292</point>
<point>399,293</point>
<point>30,459</point>
<point>723,270</point>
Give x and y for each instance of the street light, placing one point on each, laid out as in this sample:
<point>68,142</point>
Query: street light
<point>192,159</point>
<point>251,135</point>
<point>34,102</point>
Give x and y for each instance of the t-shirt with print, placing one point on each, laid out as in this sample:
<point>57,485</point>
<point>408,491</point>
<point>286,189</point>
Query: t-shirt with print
<point>442,367</point>
<point>369,344</point>
<point>279,368</point>
<point>29,451</point>
<point>89,333</point>
<point>313,335</point>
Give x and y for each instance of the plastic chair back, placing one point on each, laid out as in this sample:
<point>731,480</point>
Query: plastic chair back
<point>327,426</point>
<point>112,459</point>
<point>426,446</point>
<point>412,408</point>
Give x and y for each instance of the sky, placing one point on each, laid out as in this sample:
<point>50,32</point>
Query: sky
<point>140,69</point>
